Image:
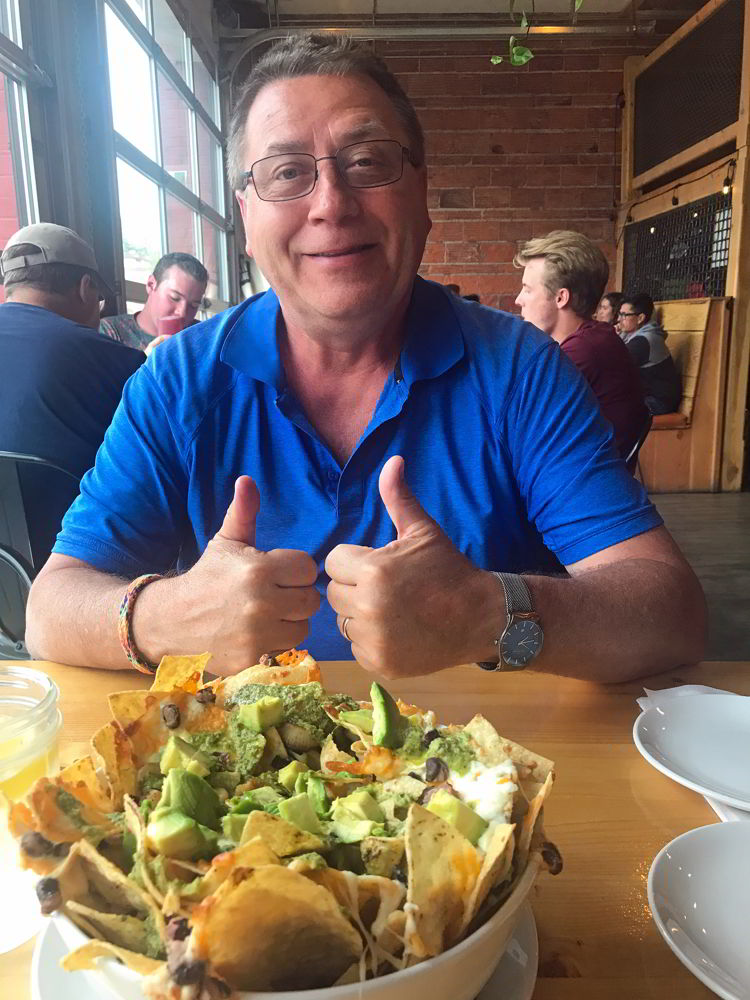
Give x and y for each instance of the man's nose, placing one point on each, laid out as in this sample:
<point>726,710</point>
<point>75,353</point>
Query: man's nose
<point>331,192</point>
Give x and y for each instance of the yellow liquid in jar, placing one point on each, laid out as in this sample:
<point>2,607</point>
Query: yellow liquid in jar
<point>14,784</point>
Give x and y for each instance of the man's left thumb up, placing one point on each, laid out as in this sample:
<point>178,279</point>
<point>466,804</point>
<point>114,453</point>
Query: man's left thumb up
<point>403,507</point>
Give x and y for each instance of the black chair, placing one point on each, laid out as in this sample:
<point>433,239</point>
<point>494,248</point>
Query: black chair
<point>632,459</point>
<point>18,561</point>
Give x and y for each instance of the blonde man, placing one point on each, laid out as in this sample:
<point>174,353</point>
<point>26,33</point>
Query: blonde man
<point>564,275</point>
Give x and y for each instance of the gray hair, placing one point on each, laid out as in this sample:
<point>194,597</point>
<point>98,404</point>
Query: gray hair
<point>317,55</point>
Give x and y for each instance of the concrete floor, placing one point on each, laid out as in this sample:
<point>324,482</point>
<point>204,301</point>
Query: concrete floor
<point>713,531</point>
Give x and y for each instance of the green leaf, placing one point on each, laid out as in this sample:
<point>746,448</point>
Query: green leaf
<point>579,4</point>
<point>511,43</point>
<point>525,21</point>
<point>496,60</point>
<point>520,55</point>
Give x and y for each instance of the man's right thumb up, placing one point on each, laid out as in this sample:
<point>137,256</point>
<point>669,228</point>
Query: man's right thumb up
<point>239,520</point>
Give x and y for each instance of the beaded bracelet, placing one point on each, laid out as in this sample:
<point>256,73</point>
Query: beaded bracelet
<point>125,623</point>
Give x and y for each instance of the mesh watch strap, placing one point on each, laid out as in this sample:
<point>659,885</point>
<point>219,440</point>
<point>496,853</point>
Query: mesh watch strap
<point>517,598</point>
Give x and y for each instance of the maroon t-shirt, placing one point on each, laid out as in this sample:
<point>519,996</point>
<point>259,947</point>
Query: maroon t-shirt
<point>605,362</point>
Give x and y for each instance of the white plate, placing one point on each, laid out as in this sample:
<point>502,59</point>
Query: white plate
<point>702,741</point>
<point>513,979</point>
<point>699,898</point>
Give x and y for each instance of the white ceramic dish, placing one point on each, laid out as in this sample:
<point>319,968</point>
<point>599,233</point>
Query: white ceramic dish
<point>698,891</point>
<point>513,979</point>
<point>703,742</point>
<point>458,974</point>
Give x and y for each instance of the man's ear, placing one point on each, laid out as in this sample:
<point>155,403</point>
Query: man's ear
<point>88,289</point>
<point>562,299</point>
<point>240,196</point>
<point>151,283</point>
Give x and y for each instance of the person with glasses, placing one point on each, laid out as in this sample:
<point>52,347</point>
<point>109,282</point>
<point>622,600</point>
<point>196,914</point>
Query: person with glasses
<point>61,381</point>
<point>350,458</point>
<point>646,340</point>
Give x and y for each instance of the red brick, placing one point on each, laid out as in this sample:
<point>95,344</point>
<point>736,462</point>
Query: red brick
<point>461,252</point>
<point>482,230</point>
<point>486,197</point>
<point>434,252</point>
<point>497,252</point>
<point>456,198</point>
<point>448,230</point>
<point>455,176</point>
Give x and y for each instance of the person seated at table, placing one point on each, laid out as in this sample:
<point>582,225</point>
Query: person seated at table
<point>646,340</point>
<point>174,293</point>
<point>345,460</point>
<point>61,381</point>
<point>608,308</point>
<point>564,274</point>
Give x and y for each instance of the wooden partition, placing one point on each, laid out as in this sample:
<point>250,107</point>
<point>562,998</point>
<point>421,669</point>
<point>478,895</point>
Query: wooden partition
<point>683,452</point>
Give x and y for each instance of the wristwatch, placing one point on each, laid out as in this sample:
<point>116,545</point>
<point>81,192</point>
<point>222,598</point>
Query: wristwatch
<point>522,638</point>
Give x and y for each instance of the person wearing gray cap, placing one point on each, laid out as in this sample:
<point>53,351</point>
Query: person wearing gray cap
<point>60,381</point>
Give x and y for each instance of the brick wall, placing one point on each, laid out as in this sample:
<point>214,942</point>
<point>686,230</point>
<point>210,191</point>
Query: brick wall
<point>8,210</point>
<point>514,153</point>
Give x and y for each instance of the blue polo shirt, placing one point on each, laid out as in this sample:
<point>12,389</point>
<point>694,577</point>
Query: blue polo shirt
<point>503,441</point>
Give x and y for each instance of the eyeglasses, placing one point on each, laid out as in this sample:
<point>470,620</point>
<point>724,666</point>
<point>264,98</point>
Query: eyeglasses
<point>622,315</point>
<point>286,176</point>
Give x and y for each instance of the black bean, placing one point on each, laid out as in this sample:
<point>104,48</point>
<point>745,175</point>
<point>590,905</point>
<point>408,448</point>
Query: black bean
<point>170,713</point>
<point>205,696</point>
<point>187,973</point>
<point>222,757</point>
<point>61,850</point>
<point>552,858</point>
<point>178,929</point>
<point>435,769</point>
<point>278,762</point>
<point>49,895</point>
<point>429,736</point>
<point>36,846</point>
<point>399,874</point>
<point>268,660</point>
<point>343,739</point>
<point>413,774</point>
<point>427,794</point>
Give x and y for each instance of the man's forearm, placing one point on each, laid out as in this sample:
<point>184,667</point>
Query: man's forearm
<point>620,621</point>
<point>72,617</point>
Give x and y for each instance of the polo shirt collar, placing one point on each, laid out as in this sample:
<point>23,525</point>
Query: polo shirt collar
<point>433,342</point>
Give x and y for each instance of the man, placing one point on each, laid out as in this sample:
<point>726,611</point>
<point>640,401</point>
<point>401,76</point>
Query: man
<point>645,339</point>
<point>564,275</point>
<point>175,293</point>
<point>61,381</point>
<point>263,456</point>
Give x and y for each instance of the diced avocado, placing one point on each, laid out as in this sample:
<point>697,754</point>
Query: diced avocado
<point>233,825</point>
<point>255,798</point>
<point>362,719</point>
<point>360,804</point>
<point>350,829</point>
<point>192,796</point>
<point>288,775</point>
<point>299,810</point>
<point>389,726</point>
<point>458,814</point>
<point>179,753</point>
<point>311,861</point>
<point>261,714</point>
<point>316,791</point>
<point>178,836</point>
<point>225,779</point>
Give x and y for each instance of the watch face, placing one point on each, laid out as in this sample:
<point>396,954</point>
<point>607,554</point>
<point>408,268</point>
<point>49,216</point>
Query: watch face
<point>521,642</point>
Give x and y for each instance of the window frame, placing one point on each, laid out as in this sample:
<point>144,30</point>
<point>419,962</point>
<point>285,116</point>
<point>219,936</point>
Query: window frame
<point>125,150</point>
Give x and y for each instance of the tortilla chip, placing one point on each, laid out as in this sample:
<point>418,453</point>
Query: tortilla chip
<point>496,867</point>
<point>284,839</point>
<point>530,820</point>
<point>113,753</point>
<point>148,733</point>
<point>80,779</point>
<point>86,957</point>
<point>185,672</point>
<point>56,825</point>
<point>121,929</point>
<point>254,853</point>
<point>443,870</point>
<point>297,937</point>
<point>330,752</point>
<point>380,855</point>
<point>127,706</point>
<point>303,672</point>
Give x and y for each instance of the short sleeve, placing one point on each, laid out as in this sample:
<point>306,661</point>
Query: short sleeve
<point>577,491</point>
<point>131,515</point>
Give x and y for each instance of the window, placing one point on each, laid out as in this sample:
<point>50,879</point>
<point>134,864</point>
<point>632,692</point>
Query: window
<point>168,143</point>
<point>18,197</point>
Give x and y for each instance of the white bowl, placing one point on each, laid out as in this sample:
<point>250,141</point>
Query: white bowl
<point>698,891</point>
<point>458,974</point>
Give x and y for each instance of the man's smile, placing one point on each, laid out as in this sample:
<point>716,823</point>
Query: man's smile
<point>343,251</point>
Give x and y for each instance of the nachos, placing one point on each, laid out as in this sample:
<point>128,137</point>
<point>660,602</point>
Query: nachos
<point>258,832</point>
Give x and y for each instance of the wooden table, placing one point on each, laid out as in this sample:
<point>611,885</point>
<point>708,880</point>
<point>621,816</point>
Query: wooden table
<point>609,813</point>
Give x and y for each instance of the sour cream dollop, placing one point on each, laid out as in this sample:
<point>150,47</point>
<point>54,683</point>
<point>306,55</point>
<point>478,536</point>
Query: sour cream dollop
<point>488,790</point>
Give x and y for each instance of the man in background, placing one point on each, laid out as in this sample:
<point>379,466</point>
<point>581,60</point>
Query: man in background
<point>645,339</point>
<point>563,280</point>
<point>175,293</point>
<point>61,381</point>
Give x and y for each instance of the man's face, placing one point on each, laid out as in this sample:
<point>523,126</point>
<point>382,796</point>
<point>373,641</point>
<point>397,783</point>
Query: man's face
<point>538,306</point>
<point>337,255</point>
<point>628,320</point>
<point>177,296</point>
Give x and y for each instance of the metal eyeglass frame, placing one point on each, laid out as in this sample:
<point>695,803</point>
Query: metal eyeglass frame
<point>247,175</point>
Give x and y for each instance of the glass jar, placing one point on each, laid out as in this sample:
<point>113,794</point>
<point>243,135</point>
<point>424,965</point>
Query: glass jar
<point>30,723</point>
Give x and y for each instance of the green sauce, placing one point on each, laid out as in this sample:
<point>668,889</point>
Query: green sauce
<point>245,748</point>
<point>303,704</point>
<point>453,748</point>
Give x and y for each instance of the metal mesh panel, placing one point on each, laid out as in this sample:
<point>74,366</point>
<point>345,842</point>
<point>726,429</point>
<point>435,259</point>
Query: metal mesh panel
<point>680,254</point>
<point>692,92</point>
